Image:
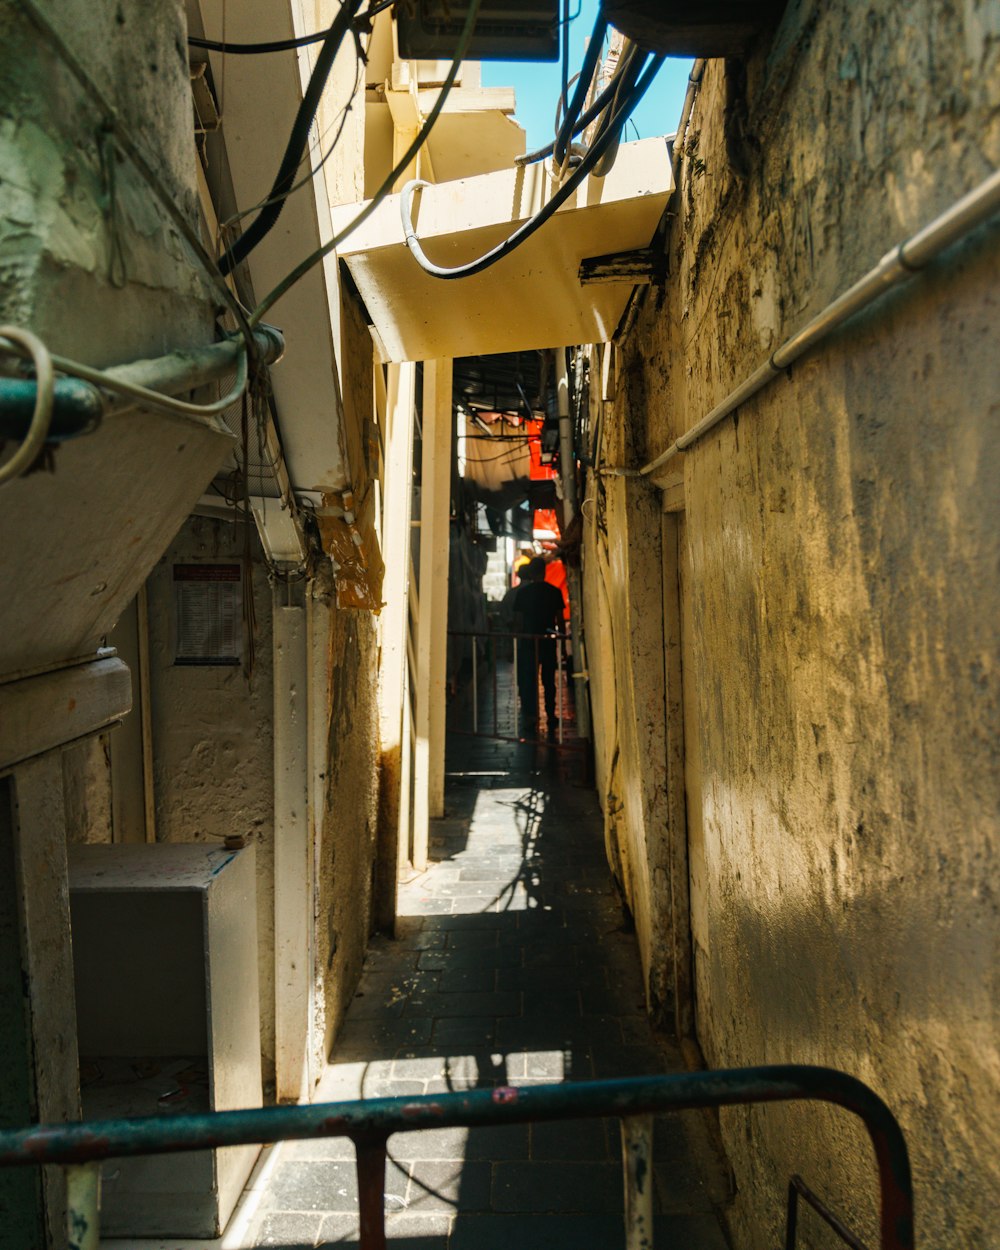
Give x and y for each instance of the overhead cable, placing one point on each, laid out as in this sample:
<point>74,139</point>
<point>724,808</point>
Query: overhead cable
<point>303,267</point>
<point>525,231</point>
<point>265,220</point>
<point>313,170</point>
<point>575,107</point>
<point>123,137</point>
<point>280,45</point>
<point>593,110</point>
<point>624,85</point>
<point>255,49</point>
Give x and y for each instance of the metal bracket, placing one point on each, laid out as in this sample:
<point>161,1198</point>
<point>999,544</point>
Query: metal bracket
<point>646,265</point>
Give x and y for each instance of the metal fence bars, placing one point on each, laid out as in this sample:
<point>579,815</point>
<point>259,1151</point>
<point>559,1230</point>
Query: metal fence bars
<point>499,677</point>
<point>369,1124</point>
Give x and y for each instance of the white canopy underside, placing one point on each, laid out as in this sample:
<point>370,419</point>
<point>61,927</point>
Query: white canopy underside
<point>533,297</point>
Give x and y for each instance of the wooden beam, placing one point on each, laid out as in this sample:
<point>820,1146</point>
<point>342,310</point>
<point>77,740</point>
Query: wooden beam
<point>40,713</point>
<point>643,266</point>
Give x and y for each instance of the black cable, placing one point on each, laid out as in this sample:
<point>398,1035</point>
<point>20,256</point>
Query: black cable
<point>626,83</point>
<point>255,49</point>
<point>314,257</point>
<point>523,232</point>
<point>279,45</point>
<point>598,106</point>
<point>564,96</point>
<point>297,140</point>
<point>342,117</point>
<point>575,107</point>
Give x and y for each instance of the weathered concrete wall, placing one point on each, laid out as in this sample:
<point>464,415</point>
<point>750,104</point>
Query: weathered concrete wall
<point>90,262</point>
<point>212,734</point>
<point>79,227</point>
<point>841,598</point>
<point>626,662</point>
<point>214,767</point>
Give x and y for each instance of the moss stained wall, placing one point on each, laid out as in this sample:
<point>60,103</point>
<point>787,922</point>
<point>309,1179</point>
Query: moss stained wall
<point>840,582</point>
<point>90,262</point>
<point>79,228</point>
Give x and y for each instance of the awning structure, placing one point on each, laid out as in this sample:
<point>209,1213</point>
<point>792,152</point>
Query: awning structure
<point>498,463</point>
<point>531,298</point>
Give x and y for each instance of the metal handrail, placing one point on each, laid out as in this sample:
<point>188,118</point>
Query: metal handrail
<point>370,1123</point>
<point>517,638</point>
<point>797,1187</point>
<point>504,633</point>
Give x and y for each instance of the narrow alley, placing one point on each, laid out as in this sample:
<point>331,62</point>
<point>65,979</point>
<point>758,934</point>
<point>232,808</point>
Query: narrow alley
<point>499,623</point>
<point>514,965</point>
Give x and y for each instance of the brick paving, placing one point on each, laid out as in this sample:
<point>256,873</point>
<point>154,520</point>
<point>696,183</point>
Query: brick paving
<point>513,965</point>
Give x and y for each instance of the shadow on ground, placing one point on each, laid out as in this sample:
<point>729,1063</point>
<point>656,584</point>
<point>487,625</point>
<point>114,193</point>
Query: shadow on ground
<point>514,964</point>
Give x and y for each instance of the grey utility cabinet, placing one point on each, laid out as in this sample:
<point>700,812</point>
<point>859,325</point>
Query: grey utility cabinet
<point>168,1011</point>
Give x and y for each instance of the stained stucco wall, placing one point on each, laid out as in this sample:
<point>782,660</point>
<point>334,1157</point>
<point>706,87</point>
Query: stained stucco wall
<point>214,766</point>
<point>90,262</point>
<point>212,733</point>
<point>347,844</point>
<point>838,575</point>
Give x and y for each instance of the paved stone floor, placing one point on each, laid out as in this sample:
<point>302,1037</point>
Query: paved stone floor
<point>513,965</point>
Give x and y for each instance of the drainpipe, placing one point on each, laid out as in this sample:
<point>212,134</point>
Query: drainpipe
<point>567,469</point>
<point>896,266</point>
<point>292,866</point>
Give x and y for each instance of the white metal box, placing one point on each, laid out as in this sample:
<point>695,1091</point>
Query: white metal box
<point>168,1017</point>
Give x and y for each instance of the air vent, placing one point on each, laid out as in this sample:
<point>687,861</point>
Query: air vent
<point>506,30</point>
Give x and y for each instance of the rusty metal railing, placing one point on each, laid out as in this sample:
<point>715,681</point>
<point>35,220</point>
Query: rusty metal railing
<point>798,1188</point>
<point>369,1124</point>
<point>495,706</point>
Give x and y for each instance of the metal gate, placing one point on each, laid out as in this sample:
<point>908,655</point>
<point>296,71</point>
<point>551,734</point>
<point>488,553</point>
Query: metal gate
<point>512,687</point>
<point>369,1124</point>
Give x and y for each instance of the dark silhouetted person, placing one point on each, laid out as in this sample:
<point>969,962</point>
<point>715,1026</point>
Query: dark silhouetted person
<point>538,609</point>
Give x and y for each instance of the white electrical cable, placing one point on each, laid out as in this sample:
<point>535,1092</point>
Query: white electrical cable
<point>155,399</point>
<point>41,419</point>
<point>16,341</point>
<point>545,213</point>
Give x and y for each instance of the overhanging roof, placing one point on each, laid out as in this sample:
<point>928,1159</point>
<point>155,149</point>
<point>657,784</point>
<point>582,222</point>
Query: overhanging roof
<point>532,298</point>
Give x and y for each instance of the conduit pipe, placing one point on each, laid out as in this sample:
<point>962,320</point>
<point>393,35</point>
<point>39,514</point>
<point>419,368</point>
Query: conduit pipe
<point>79,406</point>
<point>567,467</point>
<point>44,410</point>
<point>904,260</point>
<point>186,370</point>
<point>694,82</point>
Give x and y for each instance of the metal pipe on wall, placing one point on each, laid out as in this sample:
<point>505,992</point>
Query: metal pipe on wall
<point>79,406</point>
<point>694,82</point>
<point>292,868</point>
<point>567,470</point>
<point>904,260</point>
